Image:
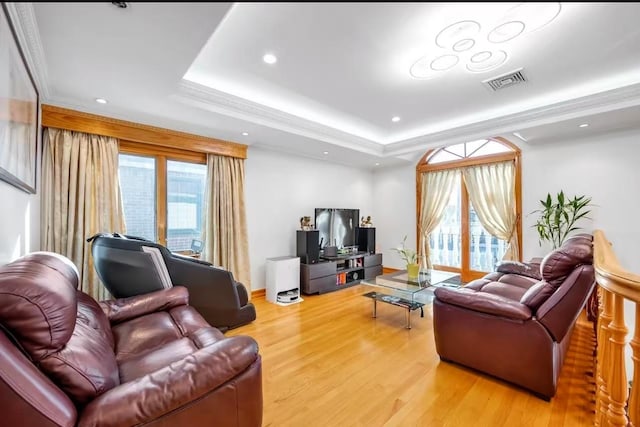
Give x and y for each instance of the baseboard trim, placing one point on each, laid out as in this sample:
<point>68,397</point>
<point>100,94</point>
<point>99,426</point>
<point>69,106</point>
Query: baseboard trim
<point>387,270</point>
<point>258,293</point>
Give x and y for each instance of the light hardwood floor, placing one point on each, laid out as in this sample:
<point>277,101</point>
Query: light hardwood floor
<point>327,362</point>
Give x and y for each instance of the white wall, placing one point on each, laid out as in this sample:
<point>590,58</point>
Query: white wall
<point>281,188</point>
<point>603,167</point>
<point>19,223</point>
<point>394,211</point>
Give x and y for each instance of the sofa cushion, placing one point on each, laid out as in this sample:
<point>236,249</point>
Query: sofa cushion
<point>537,294</point>
<point>508,285</point>
<point>149,361</point>
<point>145,333</point>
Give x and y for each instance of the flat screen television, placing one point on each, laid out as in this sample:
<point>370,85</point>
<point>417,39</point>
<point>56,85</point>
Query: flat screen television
<point>337,227</point>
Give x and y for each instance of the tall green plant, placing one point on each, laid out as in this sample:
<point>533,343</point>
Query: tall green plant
<point>558,217</point>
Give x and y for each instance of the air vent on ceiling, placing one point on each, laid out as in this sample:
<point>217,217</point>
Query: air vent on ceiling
<point>506,80</point>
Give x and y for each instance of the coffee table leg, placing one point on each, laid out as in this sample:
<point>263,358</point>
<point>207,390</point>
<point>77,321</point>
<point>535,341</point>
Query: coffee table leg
<point>375,306</point>
<point>408,318</point>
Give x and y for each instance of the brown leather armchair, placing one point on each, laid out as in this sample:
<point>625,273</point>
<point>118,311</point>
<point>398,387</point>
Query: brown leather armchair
<point>67,360</point>
<point>516,323</point>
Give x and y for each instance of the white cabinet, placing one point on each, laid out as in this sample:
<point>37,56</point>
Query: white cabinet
<point>283,280</point>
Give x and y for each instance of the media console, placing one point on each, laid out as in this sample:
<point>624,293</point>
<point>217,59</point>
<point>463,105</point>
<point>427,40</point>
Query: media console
<point>338,272</point>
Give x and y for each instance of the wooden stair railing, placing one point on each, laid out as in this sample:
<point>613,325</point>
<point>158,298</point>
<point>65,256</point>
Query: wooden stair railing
<point>616,405</point>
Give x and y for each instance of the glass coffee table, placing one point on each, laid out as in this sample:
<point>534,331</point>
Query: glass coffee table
<point>403,291</point>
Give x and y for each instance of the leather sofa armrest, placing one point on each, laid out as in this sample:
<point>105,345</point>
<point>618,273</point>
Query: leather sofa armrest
<point>174,387</point>
<point>484,302</point>
<point>520,268</point>
<point>123,309</point>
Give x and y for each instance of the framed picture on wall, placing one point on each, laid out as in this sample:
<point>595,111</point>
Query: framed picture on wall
<point>18,112</point>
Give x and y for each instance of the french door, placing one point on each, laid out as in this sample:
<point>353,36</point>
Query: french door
<point>460,243</point>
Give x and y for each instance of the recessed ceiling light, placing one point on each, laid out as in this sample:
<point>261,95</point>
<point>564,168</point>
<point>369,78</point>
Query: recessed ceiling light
<point>377,164</point>
<point>245,133</point>
<point>395,119</point>
<point>584,125</point>
<point>270,58</point>
<point>101,101</point>
<point>325,152</point>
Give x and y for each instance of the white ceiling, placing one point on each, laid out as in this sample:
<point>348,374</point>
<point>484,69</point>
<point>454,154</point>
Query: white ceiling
<point>342,72</point>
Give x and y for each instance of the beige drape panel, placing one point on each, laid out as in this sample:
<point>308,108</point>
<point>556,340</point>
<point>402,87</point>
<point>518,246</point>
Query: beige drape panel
<point>436,191</point>
<point>80,197</point>
<point>226,243</point>
<point>492,191</point>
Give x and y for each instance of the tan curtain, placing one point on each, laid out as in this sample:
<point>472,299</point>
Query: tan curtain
<point>80,197</point>
<point>436,191</point>
<point>491,190</point>
<point>226,243</point>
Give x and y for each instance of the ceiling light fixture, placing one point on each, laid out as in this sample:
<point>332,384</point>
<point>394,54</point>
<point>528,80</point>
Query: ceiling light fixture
<point>495,60</point>
<point>584,125</point>
<point>496,26</point>
<point>395,119</point>
<point>444,62</point>
<point>456,32</point>
<point>270,58</point>
<point>245,133</point>
<point>101,101</point>
<point>377,164</point>
<point>463,45</point>
<point>505,32</point>
<point>533,15</point>
<point>325,152</point>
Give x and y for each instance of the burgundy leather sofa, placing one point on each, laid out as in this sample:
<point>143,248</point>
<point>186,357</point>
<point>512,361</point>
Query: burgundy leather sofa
<point>516,323</point>
<point>152,360</point>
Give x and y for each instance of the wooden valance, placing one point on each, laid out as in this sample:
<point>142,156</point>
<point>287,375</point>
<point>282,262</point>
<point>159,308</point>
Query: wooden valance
<point>63,118</point>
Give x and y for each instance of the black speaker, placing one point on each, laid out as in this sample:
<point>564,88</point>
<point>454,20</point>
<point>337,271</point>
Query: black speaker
<point>308,246</point>
<point>366,239</point>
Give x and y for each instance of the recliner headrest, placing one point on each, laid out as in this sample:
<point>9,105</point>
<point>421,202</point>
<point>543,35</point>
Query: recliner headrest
<point>38,304</point>
<point>558,264</point>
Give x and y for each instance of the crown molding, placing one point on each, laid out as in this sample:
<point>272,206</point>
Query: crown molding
<point>23,18</point>
<point>230,105</point>
<point>234,106</point>
<point>600,102</point>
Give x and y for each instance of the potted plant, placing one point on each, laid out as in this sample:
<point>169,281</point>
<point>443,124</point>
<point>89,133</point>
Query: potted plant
<point>410,257</point>
<point>558,217</point>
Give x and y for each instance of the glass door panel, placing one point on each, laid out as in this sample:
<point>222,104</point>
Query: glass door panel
<point>485,250</point>
<point>445,241</point>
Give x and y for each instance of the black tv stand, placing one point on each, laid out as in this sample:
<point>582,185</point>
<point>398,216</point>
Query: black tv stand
<point>338,272</point>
